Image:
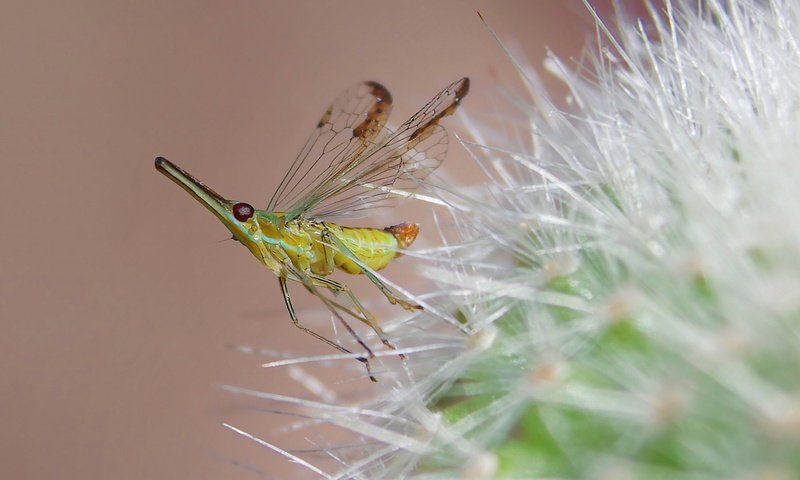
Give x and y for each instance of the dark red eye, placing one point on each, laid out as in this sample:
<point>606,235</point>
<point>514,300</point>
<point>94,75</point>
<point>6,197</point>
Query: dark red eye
<point>243,211</point>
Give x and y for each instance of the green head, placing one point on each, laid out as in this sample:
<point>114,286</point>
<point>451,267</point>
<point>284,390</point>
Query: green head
<point>238,217</point>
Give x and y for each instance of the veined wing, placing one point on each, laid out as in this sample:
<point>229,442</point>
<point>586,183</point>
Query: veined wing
<point>348,128</point>
<point>391,161</point>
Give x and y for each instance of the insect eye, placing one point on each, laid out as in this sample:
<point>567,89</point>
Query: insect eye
<point>243,211</point>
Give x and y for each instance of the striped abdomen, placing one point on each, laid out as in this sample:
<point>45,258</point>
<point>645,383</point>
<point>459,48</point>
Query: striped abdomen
<point>373,246</point>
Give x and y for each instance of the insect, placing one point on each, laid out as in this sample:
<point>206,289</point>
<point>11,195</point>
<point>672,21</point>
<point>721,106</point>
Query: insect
<point>352,163</point>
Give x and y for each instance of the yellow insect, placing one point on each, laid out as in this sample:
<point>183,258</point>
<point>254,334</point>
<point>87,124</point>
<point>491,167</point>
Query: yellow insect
<point>351,163</point>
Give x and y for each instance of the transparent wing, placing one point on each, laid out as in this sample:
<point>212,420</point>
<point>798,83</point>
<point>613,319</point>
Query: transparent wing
<point>388,162</point>
<point>384,177</point>
<point>348,128</point>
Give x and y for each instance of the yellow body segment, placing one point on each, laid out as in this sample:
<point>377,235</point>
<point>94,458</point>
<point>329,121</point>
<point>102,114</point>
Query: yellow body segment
<point>375,247</point>
<point>310,245</point>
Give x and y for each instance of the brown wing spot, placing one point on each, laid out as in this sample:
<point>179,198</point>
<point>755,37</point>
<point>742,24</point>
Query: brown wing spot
<point>326,117</point>
<point>461,88</point>
<point>377,114</point>
<point>379,91</point>
<point>405,233</point>
<point>461,91</point>
<point>421,134</point>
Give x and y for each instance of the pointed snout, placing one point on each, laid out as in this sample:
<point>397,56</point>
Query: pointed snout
<point>216,203</point>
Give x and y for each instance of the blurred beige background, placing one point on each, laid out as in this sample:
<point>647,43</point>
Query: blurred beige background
<point>118,297</point>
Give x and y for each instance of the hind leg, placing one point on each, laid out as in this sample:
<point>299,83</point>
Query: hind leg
<point>388,293</point>
<point>308,283</point>
<point>365,315</point>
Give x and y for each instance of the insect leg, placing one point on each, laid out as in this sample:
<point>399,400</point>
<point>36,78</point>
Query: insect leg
<point>296,322</point>
<point>391,296</point>
<point>366,316</point>
<point>308,283</point>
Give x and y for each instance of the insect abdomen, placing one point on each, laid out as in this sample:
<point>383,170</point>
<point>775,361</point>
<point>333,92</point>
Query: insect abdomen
<point>373,246</point>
